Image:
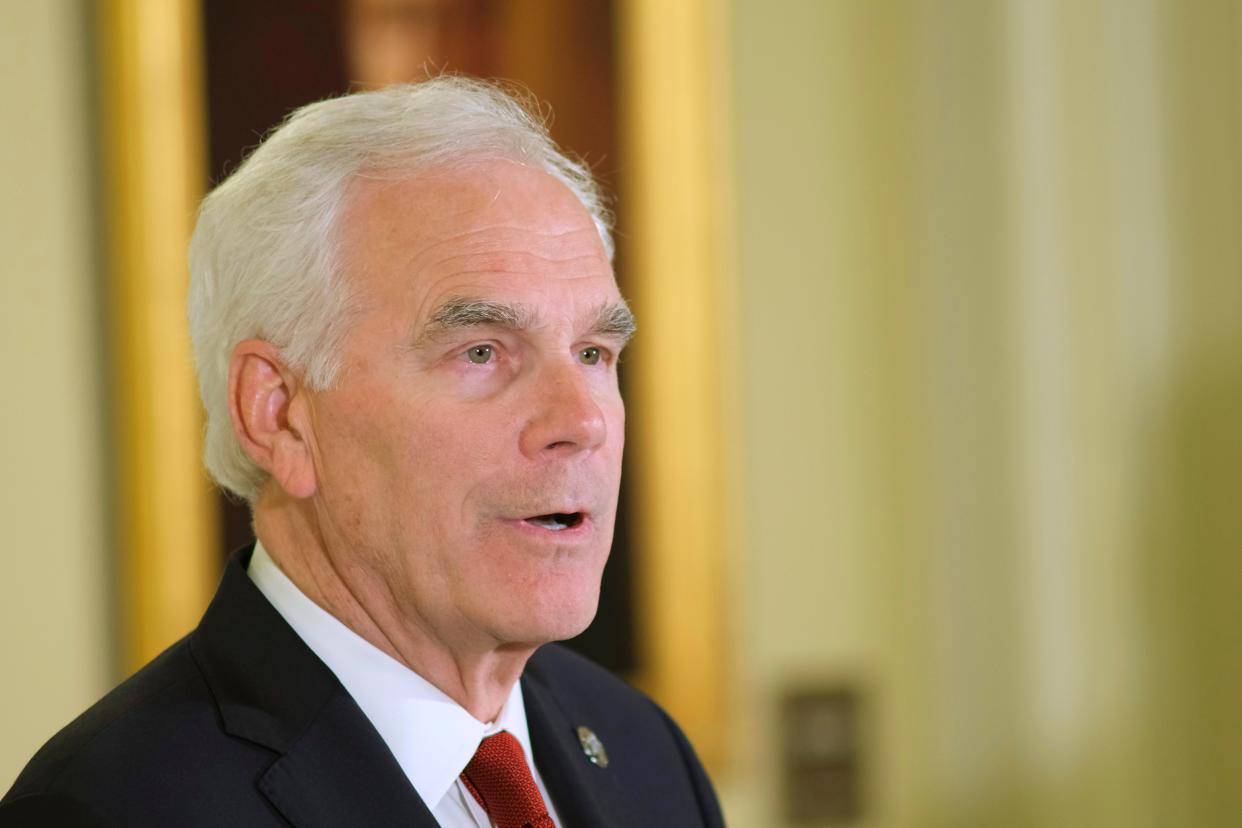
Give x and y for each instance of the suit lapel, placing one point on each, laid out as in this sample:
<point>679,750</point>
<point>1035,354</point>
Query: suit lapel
<point>333,767</point>
<point>335,775</point>
<point>584,793</point>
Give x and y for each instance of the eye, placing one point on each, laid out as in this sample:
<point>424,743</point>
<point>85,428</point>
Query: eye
<point>480,354</point>
<point>589,356</point>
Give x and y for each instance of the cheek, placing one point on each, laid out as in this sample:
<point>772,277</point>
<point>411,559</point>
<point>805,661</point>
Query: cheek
<point>368,445</point>
<point>445,457</point>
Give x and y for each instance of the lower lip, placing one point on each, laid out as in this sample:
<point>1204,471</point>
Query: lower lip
<point>569,534</point>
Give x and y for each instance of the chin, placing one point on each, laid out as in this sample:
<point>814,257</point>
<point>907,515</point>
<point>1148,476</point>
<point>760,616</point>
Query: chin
<point>555,619</point>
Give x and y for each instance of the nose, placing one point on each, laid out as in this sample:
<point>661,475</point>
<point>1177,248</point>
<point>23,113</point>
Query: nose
<point>567,417</point>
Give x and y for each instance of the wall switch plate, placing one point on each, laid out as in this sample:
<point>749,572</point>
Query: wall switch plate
<point>821,745</point>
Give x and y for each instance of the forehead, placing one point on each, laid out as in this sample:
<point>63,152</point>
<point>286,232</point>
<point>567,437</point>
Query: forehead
<point>486,225</point>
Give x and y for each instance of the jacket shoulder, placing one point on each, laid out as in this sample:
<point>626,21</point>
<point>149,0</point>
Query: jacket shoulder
<point>584,689</point>
<point>139,755</point>
<point>647,751</point>
<point>556,664</point>
<point>128,708</point>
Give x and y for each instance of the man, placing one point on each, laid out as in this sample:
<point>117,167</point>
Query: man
<point>406,331</point>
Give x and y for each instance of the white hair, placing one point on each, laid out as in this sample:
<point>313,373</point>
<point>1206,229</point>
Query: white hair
<point>264,257</point>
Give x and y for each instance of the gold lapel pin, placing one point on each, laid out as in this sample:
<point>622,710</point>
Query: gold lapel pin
<point>592,747</point>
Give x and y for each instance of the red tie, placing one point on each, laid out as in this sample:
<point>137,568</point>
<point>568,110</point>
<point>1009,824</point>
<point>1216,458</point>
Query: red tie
<point>501,782</point>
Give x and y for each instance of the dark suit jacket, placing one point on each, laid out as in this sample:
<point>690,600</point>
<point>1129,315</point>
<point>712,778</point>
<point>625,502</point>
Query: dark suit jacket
<point>240,724</point>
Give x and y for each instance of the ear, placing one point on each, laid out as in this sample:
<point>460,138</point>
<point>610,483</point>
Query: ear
<point>268,406</point>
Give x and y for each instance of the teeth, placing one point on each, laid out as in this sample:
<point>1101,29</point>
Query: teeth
<point>553,522</point>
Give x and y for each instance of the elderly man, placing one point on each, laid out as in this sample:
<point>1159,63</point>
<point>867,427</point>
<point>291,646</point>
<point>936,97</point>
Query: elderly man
<point>406,331</point>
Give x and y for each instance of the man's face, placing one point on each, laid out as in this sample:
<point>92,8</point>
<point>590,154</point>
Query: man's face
<point>469,454</point>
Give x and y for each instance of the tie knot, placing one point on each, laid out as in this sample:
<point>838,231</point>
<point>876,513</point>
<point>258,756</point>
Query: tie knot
<point>501,781</point>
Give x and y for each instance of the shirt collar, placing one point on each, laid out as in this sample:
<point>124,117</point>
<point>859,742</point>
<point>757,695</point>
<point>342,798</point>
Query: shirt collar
<point>431,736</point>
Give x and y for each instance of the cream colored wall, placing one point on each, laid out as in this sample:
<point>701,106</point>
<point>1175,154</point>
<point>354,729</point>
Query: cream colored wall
<point>991,326</point>
<point>830,399</point>
<point>56,651</point>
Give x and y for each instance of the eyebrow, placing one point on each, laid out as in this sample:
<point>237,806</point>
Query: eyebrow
<point>613,319</point>
<point>465,312</point>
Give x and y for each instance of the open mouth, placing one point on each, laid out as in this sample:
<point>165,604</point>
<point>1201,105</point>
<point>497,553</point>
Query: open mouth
<point>556,521</point>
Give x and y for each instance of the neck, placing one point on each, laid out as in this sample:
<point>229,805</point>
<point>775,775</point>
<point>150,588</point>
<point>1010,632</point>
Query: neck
<point>474,671</point>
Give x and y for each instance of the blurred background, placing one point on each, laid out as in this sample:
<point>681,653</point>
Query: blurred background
<point>934,497</point>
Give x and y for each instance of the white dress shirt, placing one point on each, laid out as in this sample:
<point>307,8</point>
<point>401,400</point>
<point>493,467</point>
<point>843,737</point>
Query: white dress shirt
<point>432,737</point>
